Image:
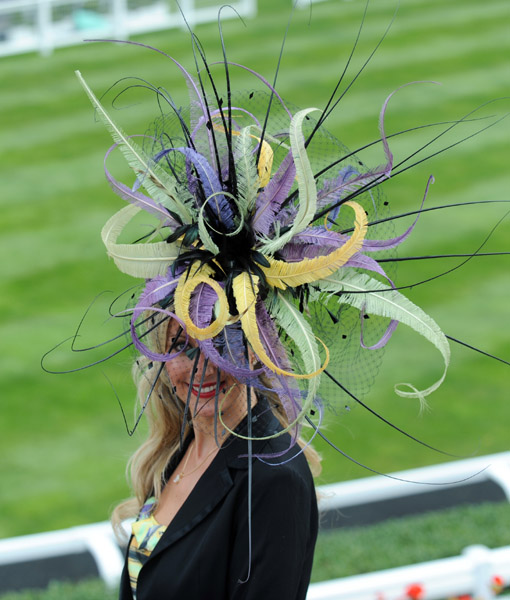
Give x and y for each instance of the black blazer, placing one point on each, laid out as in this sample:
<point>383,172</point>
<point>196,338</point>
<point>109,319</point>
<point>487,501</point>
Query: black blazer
<point>204,554</point>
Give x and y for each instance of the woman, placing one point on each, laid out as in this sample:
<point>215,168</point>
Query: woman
<point>202,532</point>
<point>265,244</point>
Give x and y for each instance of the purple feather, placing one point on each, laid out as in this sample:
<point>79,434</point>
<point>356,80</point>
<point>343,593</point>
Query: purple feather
<point>136,198</point>
<point>155,290</point>
<point>384,339</point>
<point>297,252</point>
<point>320,236</point>
<point>210,184</point>
<point>311,243</point>
<point>360,261</point>
<point>244,374</point>
<point>201,312</point>
<point>140,346</point>
<point>202,304</point>
<point>270,199</point>
<point>375,245</point>
<point>160,287</point>
<point>335,189</point>
<point>278,356</point>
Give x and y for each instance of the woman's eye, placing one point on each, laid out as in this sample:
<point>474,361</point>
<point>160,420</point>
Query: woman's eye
<point>178,345</point>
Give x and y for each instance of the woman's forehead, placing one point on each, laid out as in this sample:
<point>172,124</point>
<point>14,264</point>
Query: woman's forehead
<point>174,328</point>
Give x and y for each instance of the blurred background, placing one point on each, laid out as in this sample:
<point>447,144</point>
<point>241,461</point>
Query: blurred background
<point>63,443</point>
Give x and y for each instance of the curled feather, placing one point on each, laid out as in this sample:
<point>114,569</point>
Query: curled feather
<point>137,260</point>
<point>282,275</point>
<point>161,186</point>
<point>306,185</point>
<point>363,292</point>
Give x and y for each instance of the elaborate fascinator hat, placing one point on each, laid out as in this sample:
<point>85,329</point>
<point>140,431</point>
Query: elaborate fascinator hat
<point>269,240</point>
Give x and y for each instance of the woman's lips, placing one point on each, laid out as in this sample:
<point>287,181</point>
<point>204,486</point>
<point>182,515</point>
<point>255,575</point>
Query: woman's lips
<point>208,390</point>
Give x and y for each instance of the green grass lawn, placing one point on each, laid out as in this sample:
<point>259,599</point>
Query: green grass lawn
<point>62,440</point>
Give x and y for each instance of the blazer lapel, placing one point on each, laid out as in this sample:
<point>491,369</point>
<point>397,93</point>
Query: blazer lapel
<point>216,482</point>
<point>210,489</point>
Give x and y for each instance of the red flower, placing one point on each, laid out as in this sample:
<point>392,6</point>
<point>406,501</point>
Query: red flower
<point>497,583</point>
<point>415,591</point>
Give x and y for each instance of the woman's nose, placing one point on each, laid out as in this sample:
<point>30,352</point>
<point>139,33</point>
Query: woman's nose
<point>205,365</point>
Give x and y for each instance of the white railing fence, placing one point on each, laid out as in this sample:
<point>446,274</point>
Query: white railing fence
<point>42,25</point>
<point>97,539</point>
<point>471,573</point>
<point>475,573</point>
<point>489,468</point>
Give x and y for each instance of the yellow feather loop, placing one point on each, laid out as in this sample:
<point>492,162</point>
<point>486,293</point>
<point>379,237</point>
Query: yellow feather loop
<point>245,290</point>
<point>183,292</point>
<point>265,164</point>
<point>282,274</point>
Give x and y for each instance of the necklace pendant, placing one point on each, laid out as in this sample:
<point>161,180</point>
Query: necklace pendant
<point>177,478</point>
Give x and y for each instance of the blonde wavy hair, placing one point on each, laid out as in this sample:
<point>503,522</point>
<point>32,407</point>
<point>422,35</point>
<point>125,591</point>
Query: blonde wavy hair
<point>164,414</point>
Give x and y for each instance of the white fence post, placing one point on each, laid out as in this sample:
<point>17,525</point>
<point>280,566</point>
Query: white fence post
<point>44,27</point>
<point>480,558</point>
<point>119,14</point>
<point>43,30</point>
<point>249,8</point>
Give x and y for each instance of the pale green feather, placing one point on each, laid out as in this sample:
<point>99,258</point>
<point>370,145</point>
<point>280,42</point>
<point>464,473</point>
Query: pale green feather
<point>246,170</point>
<point>291,320</point>
<point>205,236</point>
<point>158,183</point>
<point>306,185</point>
<point>393,305</point>
<point>204,227</point>
<point>138,260</point>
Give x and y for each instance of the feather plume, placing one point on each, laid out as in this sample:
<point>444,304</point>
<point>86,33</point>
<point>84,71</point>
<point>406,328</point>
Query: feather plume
<point>290,394</point>
<point>138,260</point>
<point>363,292</point>
<point>270,199</point>
<point>183,292</point>
<point>306,185</point>
<point>233,358</point>
<point>297,252</point>
<point>245,289</point>
<point>320,236</point>
<point>282,275</point>
<point>211,185</point>
<point>160,185</point>
<point>136,198</point>
<point>311,243</point>
<point>246,171</point>
<point>335,189</point>
<point>290,319</point>
<point>159,288</point>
